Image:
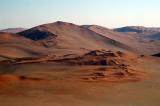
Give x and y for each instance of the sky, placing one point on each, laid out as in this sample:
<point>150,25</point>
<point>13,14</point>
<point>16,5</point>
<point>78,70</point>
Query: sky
<point>108,13</point>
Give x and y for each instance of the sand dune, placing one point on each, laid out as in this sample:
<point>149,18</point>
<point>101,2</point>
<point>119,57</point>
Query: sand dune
<point>66,64</point>
<point>111,66</point>
<point>13,45</point>
<point>70,36</point>
<point>67,38</point>
<point>134,40</point>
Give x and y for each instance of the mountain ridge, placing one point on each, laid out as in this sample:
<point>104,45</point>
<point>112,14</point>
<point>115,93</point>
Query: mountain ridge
<point>64,31</point>
<point>13,30</point>
<point>68,38</point>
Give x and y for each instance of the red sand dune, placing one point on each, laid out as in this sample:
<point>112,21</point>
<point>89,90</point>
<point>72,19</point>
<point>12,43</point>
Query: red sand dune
<point>67,38</point>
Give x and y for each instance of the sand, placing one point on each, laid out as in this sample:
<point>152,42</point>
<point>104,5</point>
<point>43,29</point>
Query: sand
<point>46,84</point>
<point>63,64</point>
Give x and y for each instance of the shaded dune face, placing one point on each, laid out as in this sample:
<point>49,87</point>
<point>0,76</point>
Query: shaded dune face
<point>156,55</point>
<point>36,34</point>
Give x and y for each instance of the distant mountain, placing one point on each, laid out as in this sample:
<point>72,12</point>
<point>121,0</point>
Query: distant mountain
<point>155,36</point>
<point>150,33</point>
<point>64,38</point>
<point>13,30</point>
<point>137,29</point>
<point>137,41</point>
<point>70,36</point>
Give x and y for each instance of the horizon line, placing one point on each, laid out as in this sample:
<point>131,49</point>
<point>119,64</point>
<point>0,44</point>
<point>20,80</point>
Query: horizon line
<point>82,25</point>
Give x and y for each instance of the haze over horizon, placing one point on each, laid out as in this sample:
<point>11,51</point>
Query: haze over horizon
<point>109,13</point>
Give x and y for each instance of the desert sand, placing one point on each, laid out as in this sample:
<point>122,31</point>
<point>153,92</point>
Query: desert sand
<point>48,84</point>
<point>63,64</point>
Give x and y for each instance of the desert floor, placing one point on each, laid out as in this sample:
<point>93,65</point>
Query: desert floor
<point>48,85</point>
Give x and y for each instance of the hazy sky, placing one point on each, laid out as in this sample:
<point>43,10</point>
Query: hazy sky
<point>109,13</point>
